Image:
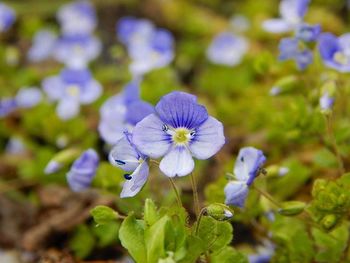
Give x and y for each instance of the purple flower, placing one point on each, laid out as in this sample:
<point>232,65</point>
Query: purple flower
<point>307,33</point>
<point>132,30</point>
<point>15,146</point>
<point>7,106</point>
<point>247,167</point>
<point>7,17</point>
<point>125,156</point>
<point>76,51</point>
<point>43,45</point>
<point>326,101</point>
<point>227,49</point>
<point>179,129</point>
<point>155,53</point>
<point>28,97</point>
<point>121,112</point>
<point>83,171</point>
<point>292,48</point>
<point>78,17</point>
<point>335,52</point>
<point>71,88</point>
<point>292,13</point>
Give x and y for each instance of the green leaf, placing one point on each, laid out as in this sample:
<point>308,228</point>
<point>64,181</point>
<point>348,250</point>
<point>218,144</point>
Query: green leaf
<point>106,234</point>
<point>155,239</point>
<point>82,241</point>
<point>151,214</point>
<point>228,255</point>
<point>103,214</point>
<point>132,237</point>
<point>330,245</point>
<point>291,208</point>
<point>195,247</point>
<point>214,234</point>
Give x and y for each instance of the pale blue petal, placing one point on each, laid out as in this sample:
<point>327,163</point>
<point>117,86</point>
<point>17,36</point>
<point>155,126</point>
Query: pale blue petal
<point>91,92</point>
<point>67,108</point>
<point>178,162</point>
<point>28,97</point>
<point>138,179</point>
<point>276,26</point>
<point>54,87</point>
<point>149,137</point>
<point>124,155</point>
<point>208,139</point>
<point>236,193</point>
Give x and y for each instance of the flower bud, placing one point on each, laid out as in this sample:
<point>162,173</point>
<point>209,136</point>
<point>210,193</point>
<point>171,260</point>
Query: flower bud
<point>284,85</point>
<point>329,221</point>
<point>219,212</point>
<point>61,159</point>
<point>291,208</point>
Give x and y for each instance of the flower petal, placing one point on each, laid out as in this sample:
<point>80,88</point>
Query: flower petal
<point>124,155</point>
<point>178,162</point>
<point>248,162</point>
<point>208,140</point>
<point>137,111</point>
<point>67,108</point>
<point>91,92</point>
<point>53,87</point>
<point>276,26</point>
<point>180,109</point>
<point>236,193</point>
<point>138,179</point>
<point>149,138</point>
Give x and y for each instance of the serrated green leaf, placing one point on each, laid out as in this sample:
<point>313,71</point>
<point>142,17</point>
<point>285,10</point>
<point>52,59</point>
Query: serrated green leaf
<point>132,237</point>
<point>214,234</point>
<point>228,255</point>
<point>195,247</point>
<point>106,234</point>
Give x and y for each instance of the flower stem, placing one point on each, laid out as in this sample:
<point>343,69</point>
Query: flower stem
<point>334,144</point>
<point>195,194</point>
<point>266,195</point>
<point>201,214</point>
<point>178,198</point>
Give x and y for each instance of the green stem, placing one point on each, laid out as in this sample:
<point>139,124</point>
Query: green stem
<point>334,144</point>
<point>201,214</point>
<point>266,195</point>
<point>195,194</point>
<point>178,198</point>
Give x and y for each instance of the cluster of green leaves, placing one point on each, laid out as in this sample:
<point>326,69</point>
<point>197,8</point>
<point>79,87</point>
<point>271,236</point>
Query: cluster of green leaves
<point>165,235</point>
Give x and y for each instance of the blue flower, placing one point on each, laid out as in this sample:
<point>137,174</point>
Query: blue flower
<point>43,45</point>
<point>28,97</point>
<point>247,167</point>
<point>326,101</point>
<point>71,88</point>
<point>293,48</point>
<point>179,129</point>
<point>149,48</point>
<point>76,51</point>
<point>335,52</point>
<point>121,112</point>
<point>227,49</point>
<point>156,53</point>
<point>132,30</point>
<point>307,33</point>
<point>78,17</point>
<point>292,13</point>
<point>83,171</point>
<point>7,17</point>
<point>126,156</point>
<point>15,146</point>
<point>7,106</point>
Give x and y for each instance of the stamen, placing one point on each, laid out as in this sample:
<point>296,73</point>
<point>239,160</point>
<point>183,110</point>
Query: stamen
<point>242,159</point>
<point>165,128</point>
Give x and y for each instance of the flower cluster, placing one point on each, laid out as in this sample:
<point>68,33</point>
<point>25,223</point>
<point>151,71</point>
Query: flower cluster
<point>148,47</point>
<point>75,48</point>
<point>7,17</point>
<point>26,97</point>
<point>247,167</point>
<point>178,130</point>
